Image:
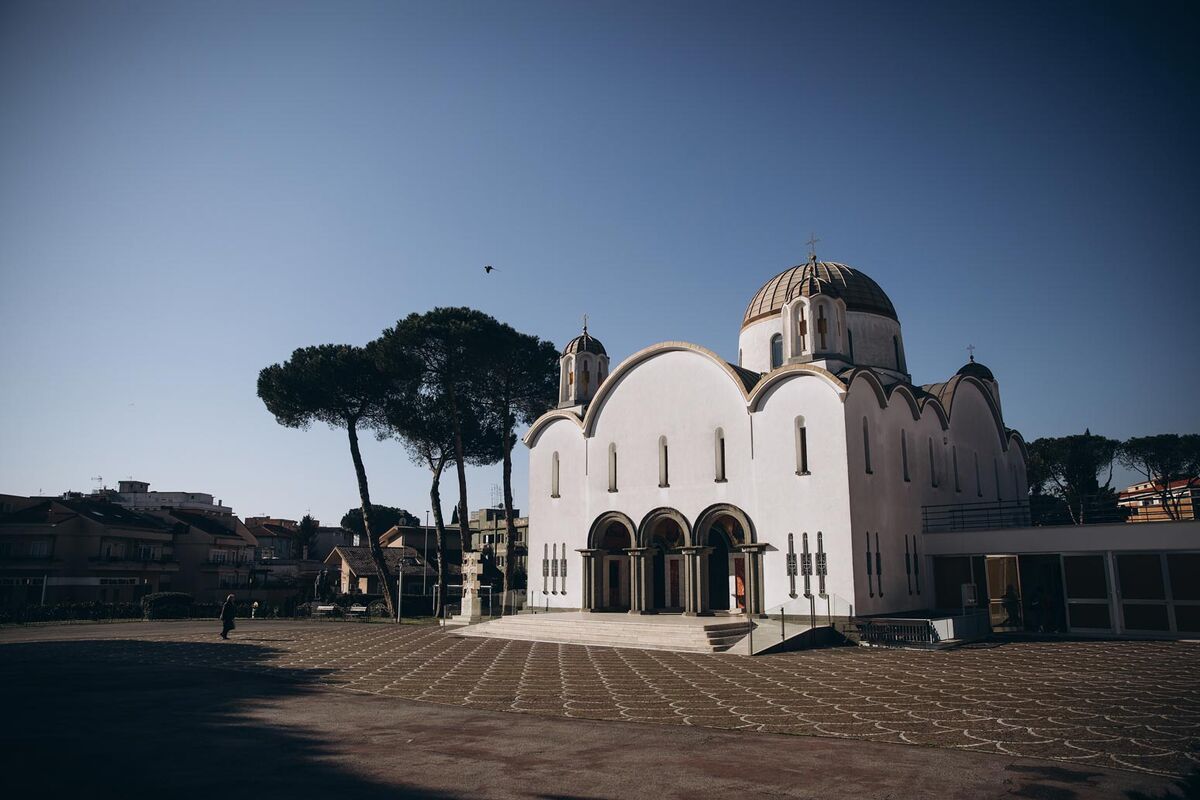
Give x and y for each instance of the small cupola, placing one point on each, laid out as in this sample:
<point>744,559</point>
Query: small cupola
<point>814,316</point>
<point>583,366</point>
<point>974,369</point>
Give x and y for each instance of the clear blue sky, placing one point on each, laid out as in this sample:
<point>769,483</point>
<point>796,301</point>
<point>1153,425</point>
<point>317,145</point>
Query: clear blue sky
<point>192,190</point>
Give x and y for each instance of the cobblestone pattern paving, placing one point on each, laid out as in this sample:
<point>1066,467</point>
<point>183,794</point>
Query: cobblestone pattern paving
<point>1128,705</point>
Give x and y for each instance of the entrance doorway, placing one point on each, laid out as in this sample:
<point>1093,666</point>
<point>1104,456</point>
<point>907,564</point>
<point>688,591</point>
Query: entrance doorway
<point>614,540</point>
<point>726,566</point>
<point>666,569</point>
<point>1005,610</point>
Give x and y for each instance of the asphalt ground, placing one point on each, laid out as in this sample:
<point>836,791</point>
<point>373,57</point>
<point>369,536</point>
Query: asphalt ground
<point>303,710</point>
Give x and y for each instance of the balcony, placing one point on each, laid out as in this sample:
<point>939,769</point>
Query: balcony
<point>975,516</point>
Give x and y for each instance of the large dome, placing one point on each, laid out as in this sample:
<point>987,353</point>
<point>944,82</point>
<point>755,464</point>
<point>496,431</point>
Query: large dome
<point>858,291</point>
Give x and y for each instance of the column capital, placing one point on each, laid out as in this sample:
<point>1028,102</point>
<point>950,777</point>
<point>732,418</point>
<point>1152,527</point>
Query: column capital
<point>695,549</point>
<point>638,552</point>
<point>757,547</point>
<point>589,552</point>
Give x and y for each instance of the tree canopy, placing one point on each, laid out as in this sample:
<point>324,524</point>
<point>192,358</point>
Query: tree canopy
<point>382,519</point>
<point>1068,469</point>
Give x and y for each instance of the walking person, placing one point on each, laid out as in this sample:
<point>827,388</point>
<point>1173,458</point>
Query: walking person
<point>227,612</point>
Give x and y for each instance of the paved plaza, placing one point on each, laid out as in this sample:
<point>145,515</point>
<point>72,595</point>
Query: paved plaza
<point>1095,707</point>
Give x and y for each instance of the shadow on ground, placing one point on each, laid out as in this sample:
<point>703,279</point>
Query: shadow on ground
<point>130,719</point>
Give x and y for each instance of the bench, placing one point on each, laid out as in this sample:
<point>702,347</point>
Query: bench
<point>357,610</point>
<point>325,609</point>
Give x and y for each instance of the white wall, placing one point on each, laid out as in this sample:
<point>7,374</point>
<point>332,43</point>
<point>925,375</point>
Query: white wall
<point>754,343</point>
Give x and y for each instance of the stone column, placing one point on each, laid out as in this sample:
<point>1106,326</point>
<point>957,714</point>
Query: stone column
<point>640,587</point>
<point>754,578</point>
<point>593,563</point>
<point>695,581</point>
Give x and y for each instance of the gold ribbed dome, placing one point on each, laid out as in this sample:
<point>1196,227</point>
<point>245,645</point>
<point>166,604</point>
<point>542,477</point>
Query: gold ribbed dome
<point>858,291</point>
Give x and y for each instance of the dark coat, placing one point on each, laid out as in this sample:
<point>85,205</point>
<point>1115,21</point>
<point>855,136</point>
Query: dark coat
<point>228,610</point>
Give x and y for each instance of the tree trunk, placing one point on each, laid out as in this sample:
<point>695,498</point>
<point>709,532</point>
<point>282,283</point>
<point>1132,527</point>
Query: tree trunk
<point>364,496</point>
<point>439,548</point>
<point>510,526</point>
<point>464,531</point>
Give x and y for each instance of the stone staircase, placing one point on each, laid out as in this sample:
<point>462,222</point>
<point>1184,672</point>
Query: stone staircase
<point>651,632</point>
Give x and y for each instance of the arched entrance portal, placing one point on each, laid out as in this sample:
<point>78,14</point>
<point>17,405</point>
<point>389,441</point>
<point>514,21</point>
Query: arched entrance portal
<point>614,590</point>
<point>727,530</point>
<point>664,534</point>
<point>607,564</point>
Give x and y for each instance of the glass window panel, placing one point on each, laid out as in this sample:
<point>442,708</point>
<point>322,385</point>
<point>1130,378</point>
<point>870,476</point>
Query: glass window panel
<point>1089,615</point>
<point>1185,575</point>
<point>1141,577</point>
<point>1187,619</point>
<point>1150,617</point>
<point>1085,578</point>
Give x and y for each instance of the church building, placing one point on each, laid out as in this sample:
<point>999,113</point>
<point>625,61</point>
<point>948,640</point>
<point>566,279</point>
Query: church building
<point>677,482</point>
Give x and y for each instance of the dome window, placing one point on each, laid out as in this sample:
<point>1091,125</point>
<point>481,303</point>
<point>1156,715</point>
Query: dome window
<point>776,351</point>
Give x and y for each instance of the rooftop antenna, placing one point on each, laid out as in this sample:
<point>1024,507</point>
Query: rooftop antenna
<point>971,352</point>
<point>496,487</point>
<point>99,479</point>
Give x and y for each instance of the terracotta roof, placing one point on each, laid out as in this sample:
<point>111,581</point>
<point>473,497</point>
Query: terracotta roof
<point>859,292</point>
<point>96,510</point>
<point>360,562</point>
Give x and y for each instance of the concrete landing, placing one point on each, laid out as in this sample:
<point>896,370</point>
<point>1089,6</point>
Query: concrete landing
<point>644,632</point>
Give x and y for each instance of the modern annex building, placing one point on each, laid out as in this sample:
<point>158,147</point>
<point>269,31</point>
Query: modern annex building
<point>680,482</point>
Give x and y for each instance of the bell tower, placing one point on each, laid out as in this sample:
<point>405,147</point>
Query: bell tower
<point>582,367</point>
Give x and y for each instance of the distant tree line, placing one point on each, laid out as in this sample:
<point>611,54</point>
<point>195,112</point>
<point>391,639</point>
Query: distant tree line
<point>451,385</point>
<point>1070,477</point>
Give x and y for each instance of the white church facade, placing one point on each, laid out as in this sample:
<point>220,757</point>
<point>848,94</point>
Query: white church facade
<point>676,482</point>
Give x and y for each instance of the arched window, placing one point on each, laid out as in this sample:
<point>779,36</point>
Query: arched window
<point>719,447</point>
<point>801,447</point>
<point>978,481</point>
<point>612,467</point>
<point>904,453</point>
<point>776,351</point>
<point>822,326</point>
<point>996,469</point>
<point>554,474</point>
<point>850,343</point>
<point>802,329</point>
<point>587,378</point>
<point>739,356</point>
<point>954,453</point>
<point>933,481</point>
<point>867,446</point>
<point>896,351</point>
<point>663,467</point>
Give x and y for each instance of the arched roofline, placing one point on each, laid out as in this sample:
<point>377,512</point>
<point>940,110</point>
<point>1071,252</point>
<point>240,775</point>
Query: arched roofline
<point>872,380</point>
<point>901,389</point>
<point>601,523</point>
<point>710,515</point>
<point>787,372</point>
<point>938,409</point>
<point>663,512</point>
<point>1022,447</point>
<point>542,422</point>
<point>952,391</point>
<point>641,356</point>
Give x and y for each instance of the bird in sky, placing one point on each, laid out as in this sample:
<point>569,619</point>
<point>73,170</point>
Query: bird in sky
<point>489,269</point>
